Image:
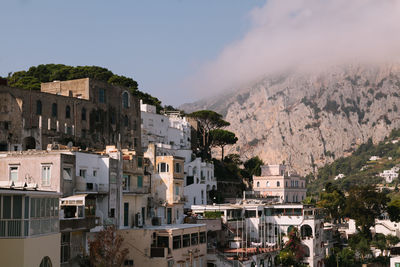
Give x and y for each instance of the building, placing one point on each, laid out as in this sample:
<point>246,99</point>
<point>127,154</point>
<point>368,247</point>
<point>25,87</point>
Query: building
<point>136,186</point>
<point>169,129</point>
<point>275,181</point>
<point>89,183</point>
<point>390,175</point>
<point>29,227</point>
<point>262,229</point>
<point>175,245</point>
<point>82,112</point>
<point>199,182</point>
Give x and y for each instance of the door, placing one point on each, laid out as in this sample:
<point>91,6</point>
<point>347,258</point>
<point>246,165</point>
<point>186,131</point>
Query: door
<point>126,214</point>
<point>169,215</point>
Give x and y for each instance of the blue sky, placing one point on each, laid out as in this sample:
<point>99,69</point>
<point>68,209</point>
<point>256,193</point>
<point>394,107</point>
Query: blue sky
<point>158,43</point>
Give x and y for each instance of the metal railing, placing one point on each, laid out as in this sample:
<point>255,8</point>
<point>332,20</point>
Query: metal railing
<point>28,227</point>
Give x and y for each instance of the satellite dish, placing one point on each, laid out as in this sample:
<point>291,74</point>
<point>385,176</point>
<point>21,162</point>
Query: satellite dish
<point>69,145</point>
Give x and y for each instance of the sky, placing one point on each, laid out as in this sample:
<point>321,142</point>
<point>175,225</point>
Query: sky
<point>184,50</point>
<point>161,44</point>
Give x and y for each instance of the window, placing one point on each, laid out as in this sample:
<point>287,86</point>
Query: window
<point>186,241</point>
<point>177,242</point>
<point>83,114</point>
<point>38,107</point>
<point>82,173</point>
<point>267,183</point>
<point>140,162</point>
<point>177,190</point>
<point>46,175</point>
<point>258,184</point>
<point>46,262</point>
<point>67,173</point>
<point>177,167</point>
<point>195,238</point>
<point>202,237</point>
<point>135,144</point>
<point>13,173</point>
<point>140,181</point>
<point>125,99</point>
<point>67,112</point>
<point>278,184</point>
<point>102,95</point>
<point>126,182</point>
<point>163,167</point>
<point>112,117</point>
<point>134,125</point>
<point>54,110</point>
<point>94,173</point>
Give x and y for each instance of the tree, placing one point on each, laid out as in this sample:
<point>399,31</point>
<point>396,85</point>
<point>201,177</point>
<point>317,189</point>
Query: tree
<point>333,201</point>
<point>364,204</point>
<point>222,138</point>
<point>393,210</point>
<point>207,121</point>
<point>293,251</point>
<point>252,167</point>
<point>105,249</point>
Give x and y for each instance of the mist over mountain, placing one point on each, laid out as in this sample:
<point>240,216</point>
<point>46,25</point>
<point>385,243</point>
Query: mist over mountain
<point>310,117</point>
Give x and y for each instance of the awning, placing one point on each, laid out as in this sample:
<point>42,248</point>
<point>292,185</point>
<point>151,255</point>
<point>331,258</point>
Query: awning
<point>75,200</point>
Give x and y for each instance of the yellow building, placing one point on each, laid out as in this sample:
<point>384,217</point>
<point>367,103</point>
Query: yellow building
<point>167,188</point>
<point>29,228</point>
<point>176,245</point>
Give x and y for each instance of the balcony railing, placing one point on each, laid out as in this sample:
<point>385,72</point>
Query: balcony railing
<point>137,190</point>
<point>79,223</point>
<point>28,227</point>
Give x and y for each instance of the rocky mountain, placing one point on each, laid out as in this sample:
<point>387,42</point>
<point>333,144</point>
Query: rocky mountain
<point>309,118</point>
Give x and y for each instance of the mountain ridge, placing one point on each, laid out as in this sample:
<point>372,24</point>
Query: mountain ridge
<point>309,118</point>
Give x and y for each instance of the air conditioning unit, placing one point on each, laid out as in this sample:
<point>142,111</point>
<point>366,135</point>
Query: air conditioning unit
<point>156,221</point>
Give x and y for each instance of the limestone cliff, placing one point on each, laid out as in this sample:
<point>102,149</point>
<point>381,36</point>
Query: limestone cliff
<point>310,118</point>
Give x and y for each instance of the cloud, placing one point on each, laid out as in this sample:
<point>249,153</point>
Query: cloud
<point>305,34</point>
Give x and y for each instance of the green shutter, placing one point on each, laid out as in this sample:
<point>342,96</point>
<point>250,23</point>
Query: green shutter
<point>140,181</point>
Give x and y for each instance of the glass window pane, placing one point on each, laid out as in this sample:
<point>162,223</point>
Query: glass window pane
<point>140,181</point>
<point>17,207</point>
<point>33,208</point>
<point>26,216</point>
<point>42,207</point>
<point>7,207</point>
<point>48,207</point>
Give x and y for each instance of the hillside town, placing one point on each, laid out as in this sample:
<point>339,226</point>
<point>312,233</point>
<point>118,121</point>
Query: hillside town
<point>82,158</point>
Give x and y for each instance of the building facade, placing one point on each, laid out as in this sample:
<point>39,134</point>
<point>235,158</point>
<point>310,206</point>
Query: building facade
<point>276,181</point>
<point>82,112</point>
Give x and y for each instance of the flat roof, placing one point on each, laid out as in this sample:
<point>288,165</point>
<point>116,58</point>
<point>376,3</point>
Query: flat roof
<point>20,191</point>
<point>174,226</point>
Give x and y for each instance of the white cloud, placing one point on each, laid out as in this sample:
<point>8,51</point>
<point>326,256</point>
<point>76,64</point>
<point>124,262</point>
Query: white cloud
<point>305,33</point>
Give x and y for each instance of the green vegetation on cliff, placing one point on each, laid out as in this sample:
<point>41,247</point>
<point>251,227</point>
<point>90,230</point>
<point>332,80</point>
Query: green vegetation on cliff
<point>34,76</point>
<point>357,168</point>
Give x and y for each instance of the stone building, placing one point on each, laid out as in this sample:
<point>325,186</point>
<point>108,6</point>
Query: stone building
<point>85,112</point>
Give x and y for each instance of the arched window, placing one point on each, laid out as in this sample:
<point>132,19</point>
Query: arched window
<point>46,262</point>
<point>38,107</point>
<point>83,114</point>
<point>258,184</point>
<point>125,99</point>
<point>162,167</point>
<point>267,183</point>
<point>67,112</point>
<point>54,110</point>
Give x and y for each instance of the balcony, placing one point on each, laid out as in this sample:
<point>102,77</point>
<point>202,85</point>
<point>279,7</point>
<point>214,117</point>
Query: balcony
<point>137,190</point>
<point>87,187</point>
<point>79,223</point>
<point>13,228</point>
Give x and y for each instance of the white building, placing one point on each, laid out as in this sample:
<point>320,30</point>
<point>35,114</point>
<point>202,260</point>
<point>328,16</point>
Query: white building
<point>265,225</point>
<point>276,181</point>
<point>172,129</point>
<point>339,176</point>
<point>199,181</point>
<point>390,175</point>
